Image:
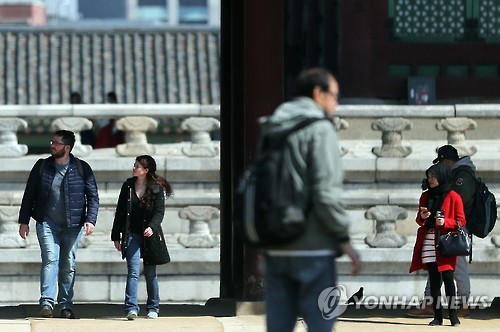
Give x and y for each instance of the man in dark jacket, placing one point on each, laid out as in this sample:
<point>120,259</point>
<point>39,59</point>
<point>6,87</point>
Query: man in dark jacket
<point>61,195</point>
<point>462,179</point>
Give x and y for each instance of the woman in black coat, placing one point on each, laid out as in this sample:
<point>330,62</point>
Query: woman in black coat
<point>137,232</point>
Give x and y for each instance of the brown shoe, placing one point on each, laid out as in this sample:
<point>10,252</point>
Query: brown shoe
<point>463,312</point>
<point>423,311</point>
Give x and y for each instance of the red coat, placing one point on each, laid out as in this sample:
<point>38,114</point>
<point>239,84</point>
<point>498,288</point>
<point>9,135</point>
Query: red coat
<point>453,210</point>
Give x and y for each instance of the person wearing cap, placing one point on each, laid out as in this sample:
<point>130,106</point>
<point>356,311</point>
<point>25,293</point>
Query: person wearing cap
<point>462,180</point>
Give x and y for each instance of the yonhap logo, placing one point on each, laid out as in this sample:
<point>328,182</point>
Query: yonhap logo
<point>332,302</point>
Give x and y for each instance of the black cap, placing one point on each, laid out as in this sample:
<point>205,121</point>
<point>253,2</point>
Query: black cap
<point>446,152</point>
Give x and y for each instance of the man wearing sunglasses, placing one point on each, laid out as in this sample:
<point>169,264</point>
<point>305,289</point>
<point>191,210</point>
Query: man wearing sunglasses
<point>61,196</point>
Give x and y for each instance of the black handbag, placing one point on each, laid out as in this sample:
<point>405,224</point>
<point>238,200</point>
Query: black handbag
<point>455,243</point>
<point>156,252</point>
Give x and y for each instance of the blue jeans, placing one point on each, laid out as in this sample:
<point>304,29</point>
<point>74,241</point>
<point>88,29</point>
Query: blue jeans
<point>133,256</point>
<point>58,245</point>
<point>293,285</point>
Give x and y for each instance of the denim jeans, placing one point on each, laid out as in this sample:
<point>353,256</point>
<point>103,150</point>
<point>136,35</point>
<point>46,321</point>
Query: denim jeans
<point>58,245</point>
<point>133,256</point>
<point>293,285</point>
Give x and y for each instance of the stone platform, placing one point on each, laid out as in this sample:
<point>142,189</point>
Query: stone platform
<point>374,186</point>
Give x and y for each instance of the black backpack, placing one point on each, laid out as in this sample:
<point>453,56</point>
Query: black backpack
<point>484,213</point>
<point>267,211</point>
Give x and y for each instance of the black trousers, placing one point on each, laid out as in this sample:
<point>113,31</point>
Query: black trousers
<point>436,278</point>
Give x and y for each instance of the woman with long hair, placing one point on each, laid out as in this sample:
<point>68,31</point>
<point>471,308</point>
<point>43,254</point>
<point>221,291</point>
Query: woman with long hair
<point>137,232</point>
<point>440,208</point>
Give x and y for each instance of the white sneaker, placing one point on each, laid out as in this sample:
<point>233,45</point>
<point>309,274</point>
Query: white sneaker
<point>152,314</point>
<point>131,315</point>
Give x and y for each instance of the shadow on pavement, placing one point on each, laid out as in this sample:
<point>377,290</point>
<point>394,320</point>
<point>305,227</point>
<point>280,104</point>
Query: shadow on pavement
<point>213,307</point>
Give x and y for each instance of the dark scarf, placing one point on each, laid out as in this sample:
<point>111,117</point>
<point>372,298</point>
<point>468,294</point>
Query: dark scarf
<point>436,195</point>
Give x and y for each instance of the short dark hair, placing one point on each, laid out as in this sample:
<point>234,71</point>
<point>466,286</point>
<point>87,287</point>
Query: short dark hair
<point>75,97</point>
<point>311,78</point>
<point>68,137</point>
<point>111,97</point>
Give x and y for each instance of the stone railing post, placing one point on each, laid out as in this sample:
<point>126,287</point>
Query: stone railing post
<point>199,232</point>
<point>385,231</point>
<point>341,124</point>
<point>392,137</point>
<point>9,146</point>
<point>136,141</point>
<point>76,125</point>
<point>200,128</point>
<point>9,228</point>
<point>456,128</point>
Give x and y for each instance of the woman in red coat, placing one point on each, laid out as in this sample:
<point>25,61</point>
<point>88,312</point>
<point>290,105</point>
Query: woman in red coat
<point>439,209</point>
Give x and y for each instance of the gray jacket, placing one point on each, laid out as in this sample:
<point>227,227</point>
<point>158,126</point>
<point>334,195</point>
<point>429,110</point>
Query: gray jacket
<point>318,176</point>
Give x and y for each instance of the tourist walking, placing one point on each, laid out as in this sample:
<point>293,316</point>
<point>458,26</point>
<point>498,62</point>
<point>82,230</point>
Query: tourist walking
<point>61,195</point>
<point>137,232</point>
<point>297,273</point>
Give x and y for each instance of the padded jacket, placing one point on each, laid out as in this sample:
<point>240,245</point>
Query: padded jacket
<point>152,218</point>
<point>81,198</point>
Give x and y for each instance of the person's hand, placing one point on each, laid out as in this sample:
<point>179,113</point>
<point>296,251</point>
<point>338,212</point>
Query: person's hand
<point>24,230</point>
<point>440,221</point>
<point>88,228</point>
<point>148,232</point>
<point>118,245</point>
<point>424,213</point>
<point>353,255</point>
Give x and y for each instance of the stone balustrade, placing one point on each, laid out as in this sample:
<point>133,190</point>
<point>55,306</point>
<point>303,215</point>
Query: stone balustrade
<point>456,121</point>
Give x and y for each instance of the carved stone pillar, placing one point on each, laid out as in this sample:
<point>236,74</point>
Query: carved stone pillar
<point>9,146</point>
<point>136,141</point>
<point>200,129</point>
<point>392,137</point>
<point>456,128</point>
<point>385,231</point>
<point>76,125</point>
<point>199,232</point>
<point>9,228</point>
<point>341,124</point>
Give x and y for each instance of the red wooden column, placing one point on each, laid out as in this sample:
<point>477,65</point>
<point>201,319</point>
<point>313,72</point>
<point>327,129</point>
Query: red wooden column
<point>251,86</point>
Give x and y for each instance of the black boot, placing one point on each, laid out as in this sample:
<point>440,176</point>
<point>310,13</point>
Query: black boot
<point>453,317</point>
<point>438,317</point>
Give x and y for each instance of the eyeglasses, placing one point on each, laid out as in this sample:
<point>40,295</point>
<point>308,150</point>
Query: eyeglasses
<point>56,143</point>
<point>334,95</point>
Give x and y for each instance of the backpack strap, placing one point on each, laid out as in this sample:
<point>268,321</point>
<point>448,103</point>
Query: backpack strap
<point>42,166</point>
<point>79,166</point>
<point>279,137</point>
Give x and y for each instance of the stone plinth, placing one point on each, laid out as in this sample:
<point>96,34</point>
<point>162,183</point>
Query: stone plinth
<point>385,231</point>
<point>456,128</point>
<point>200,129</point>
<point>9,228</point>
<point>199,232</point>
<point>9,146</point>
<point>392,137</point>
<point>135,128</point>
